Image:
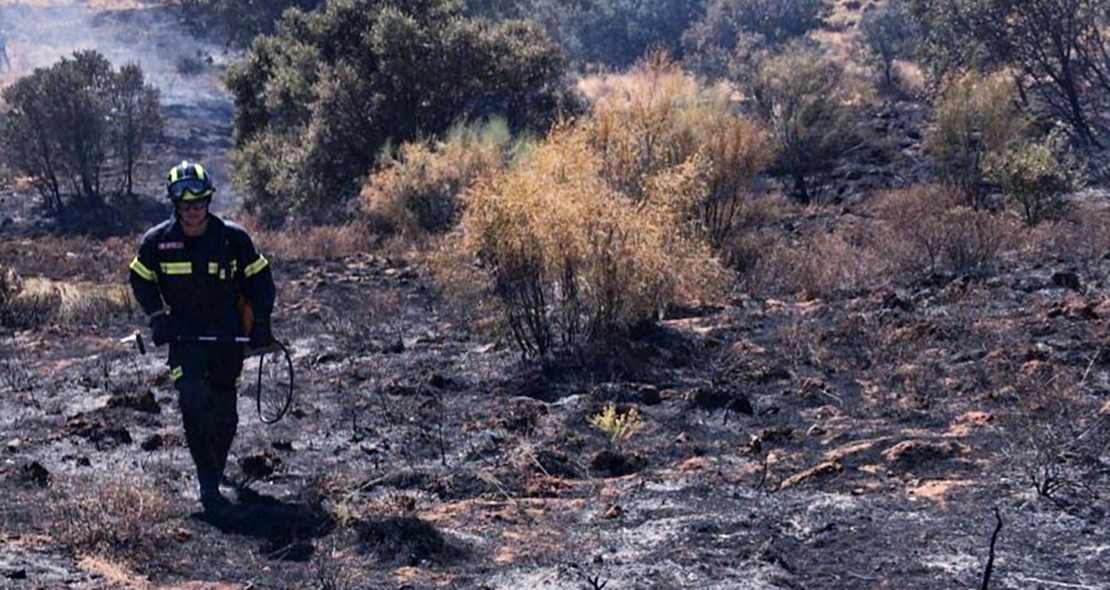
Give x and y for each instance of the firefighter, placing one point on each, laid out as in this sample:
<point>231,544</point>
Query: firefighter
<point>198,275</point>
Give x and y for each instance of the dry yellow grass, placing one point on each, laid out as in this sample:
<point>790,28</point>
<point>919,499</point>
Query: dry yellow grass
<point>41,300</point>
<point>120,518</point>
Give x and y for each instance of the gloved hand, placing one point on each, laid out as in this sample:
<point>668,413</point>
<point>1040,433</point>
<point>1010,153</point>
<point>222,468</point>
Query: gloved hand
<point>164,328</point>
<point>260,335</point>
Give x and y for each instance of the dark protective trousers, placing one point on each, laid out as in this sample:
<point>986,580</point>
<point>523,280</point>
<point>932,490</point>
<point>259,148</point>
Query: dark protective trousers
<point>205,376</point>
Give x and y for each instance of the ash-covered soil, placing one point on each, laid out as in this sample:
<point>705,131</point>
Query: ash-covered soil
<point>871,442</point>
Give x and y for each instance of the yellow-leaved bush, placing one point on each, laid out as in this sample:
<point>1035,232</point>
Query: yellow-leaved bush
<point>658,116</point>
<point>414,192</point>
<point>568,257</point>
<point>612,218</point>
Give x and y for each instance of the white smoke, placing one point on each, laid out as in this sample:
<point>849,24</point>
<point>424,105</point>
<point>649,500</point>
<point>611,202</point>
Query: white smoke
<point>41,32</point>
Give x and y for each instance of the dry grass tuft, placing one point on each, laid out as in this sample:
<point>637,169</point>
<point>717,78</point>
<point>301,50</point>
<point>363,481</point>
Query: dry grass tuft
<point>314,243</point>
<point>41,300</point>
<point>120,519</point>
<point>70,258</point>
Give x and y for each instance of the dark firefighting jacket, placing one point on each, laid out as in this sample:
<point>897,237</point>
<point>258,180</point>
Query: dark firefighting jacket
<point>200,280</point>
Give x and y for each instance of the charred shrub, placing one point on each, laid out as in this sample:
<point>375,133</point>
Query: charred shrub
<point>819,263</point>
<point>405,541</point>
<point>808,100</point>
<point>926,230</point>
<point>120,519</point>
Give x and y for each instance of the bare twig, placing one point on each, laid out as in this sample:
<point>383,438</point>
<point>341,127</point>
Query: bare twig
<point>596,582</point>
<point>990,556</point>
<point>1091,364</point>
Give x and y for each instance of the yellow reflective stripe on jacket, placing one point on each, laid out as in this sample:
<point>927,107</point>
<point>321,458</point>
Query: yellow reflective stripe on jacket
<point>176,373</point>
<point>177,268</point>
<point>256,266</point>
<point>141,270</point>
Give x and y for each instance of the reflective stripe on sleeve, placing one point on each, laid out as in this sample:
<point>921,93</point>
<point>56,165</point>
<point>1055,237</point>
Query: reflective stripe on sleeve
<point>177,268</point>
<point>256,266</point>
<point>141,270</point>
<point>176,373</point>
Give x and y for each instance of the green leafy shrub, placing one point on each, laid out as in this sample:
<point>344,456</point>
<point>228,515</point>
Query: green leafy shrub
<point>976,119</point>
<point>316,102</point>
<point>1035,179</point>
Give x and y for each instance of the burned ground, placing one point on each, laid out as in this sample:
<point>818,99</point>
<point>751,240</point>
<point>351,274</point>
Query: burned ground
<point>884,431</point>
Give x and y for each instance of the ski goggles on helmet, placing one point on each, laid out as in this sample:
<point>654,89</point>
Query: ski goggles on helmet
<point>190,189</point>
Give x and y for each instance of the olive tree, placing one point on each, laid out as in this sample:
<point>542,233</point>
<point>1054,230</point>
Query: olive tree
<point>889,33</point>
